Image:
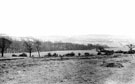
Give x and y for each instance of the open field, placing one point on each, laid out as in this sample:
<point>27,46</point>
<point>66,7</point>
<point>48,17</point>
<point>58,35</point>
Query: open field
<point>67,71</point>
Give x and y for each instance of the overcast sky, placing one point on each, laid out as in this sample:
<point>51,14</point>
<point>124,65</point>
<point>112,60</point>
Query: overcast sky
<point>67,17</point>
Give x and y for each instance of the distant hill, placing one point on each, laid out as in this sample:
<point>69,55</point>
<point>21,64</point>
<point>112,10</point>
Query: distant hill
<point>61,44</point>
<point>110,40</point>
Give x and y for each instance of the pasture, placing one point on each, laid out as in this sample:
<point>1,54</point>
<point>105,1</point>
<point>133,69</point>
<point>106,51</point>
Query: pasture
<point>46,70</point>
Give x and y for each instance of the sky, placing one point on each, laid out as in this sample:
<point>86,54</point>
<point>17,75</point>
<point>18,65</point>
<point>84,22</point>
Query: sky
<point>67,17</point>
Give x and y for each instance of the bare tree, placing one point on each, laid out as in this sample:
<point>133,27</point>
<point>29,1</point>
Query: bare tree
<point>37,44</point>
<point>4,44</point>
<point>131,51</point>
<point>28,46</point>
<point>131,46</point>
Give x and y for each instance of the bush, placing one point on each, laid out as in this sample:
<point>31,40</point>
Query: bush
<point>99,53</point>
<point>49,55</point>
<point>23,55</point>
<point>55,55</point>
<point>86,54</point>
<point>70,54</point>
<point>131,52</point>
<point>14,55</point>
<point>79,54</point>
<point>119,51</point>
<point>109,52</point>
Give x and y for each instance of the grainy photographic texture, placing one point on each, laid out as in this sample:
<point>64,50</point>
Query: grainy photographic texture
<point>32,61</point>
<point>67,42</point>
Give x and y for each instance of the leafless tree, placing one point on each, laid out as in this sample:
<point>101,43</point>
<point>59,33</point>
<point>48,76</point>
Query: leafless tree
<point>28,46</point>
<point>131,46</point>
<point>4,44</point>
<point>37,44</point>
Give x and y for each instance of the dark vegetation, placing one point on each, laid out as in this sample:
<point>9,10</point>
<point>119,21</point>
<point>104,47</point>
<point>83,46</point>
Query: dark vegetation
<point>9,45</point>
<point>102,51</point>
<point>31,45</point>
<point>23,55</point>
<point>70,54</point>
<point>20,55</point>
<point>17,46</point>
<point>113,64</point>
<point>28,46</point>
<point>4,44</point>
<point>37,44</point>
<point>14,55</point>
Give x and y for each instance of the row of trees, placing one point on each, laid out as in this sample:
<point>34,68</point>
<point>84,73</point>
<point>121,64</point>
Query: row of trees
<point>37,45</point>
<point>31,45</point>
<point>18,46</point>
<point>8,44</point>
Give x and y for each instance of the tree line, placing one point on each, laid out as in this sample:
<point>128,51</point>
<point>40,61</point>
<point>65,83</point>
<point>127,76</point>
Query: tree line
<point>7,44</point>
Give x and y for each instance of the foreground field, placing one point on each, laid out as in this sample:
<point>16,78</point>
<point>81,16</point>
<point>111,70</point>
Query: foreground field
<point>71,71</point>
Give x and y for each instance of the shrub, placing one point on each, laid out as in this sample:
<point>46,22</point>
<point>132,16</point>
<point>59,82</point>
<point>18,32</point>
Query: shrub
<point>86,54</point>
<point>99,53</point>
<point>79,54</point>
<point>49,55</point>
<point>14,55</point>
<point>55,55</point>
<point>70,54</point>
<point>23,55</point>
<point>119,51</point>
<point>131,52</point>
<point>109,52</point>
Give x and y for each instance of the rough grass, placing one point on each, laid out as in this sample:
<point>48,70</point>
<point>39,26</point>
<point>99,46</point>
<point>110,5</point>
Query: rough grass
<point>71,71</point>
<point>68,71</point>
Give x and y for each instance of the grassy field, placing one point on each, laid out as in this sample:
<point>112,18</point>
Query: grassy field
<point>71,70</point>
<point>42,71</point>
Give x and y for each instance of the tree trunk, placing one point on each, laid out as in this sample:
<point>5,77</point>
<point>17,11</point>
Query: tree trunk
<point>30,53</point>
<point>39,53</point>
<point>2,53</point>
<point>131,49</point>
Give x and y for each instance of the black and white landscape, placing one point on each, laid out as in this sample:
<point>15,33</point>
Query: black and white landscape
<point>67,42</point>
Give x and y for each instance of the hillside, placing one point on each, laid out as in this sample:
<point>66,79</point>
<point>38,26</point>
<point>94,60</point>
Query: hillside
<point>110,40</point>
